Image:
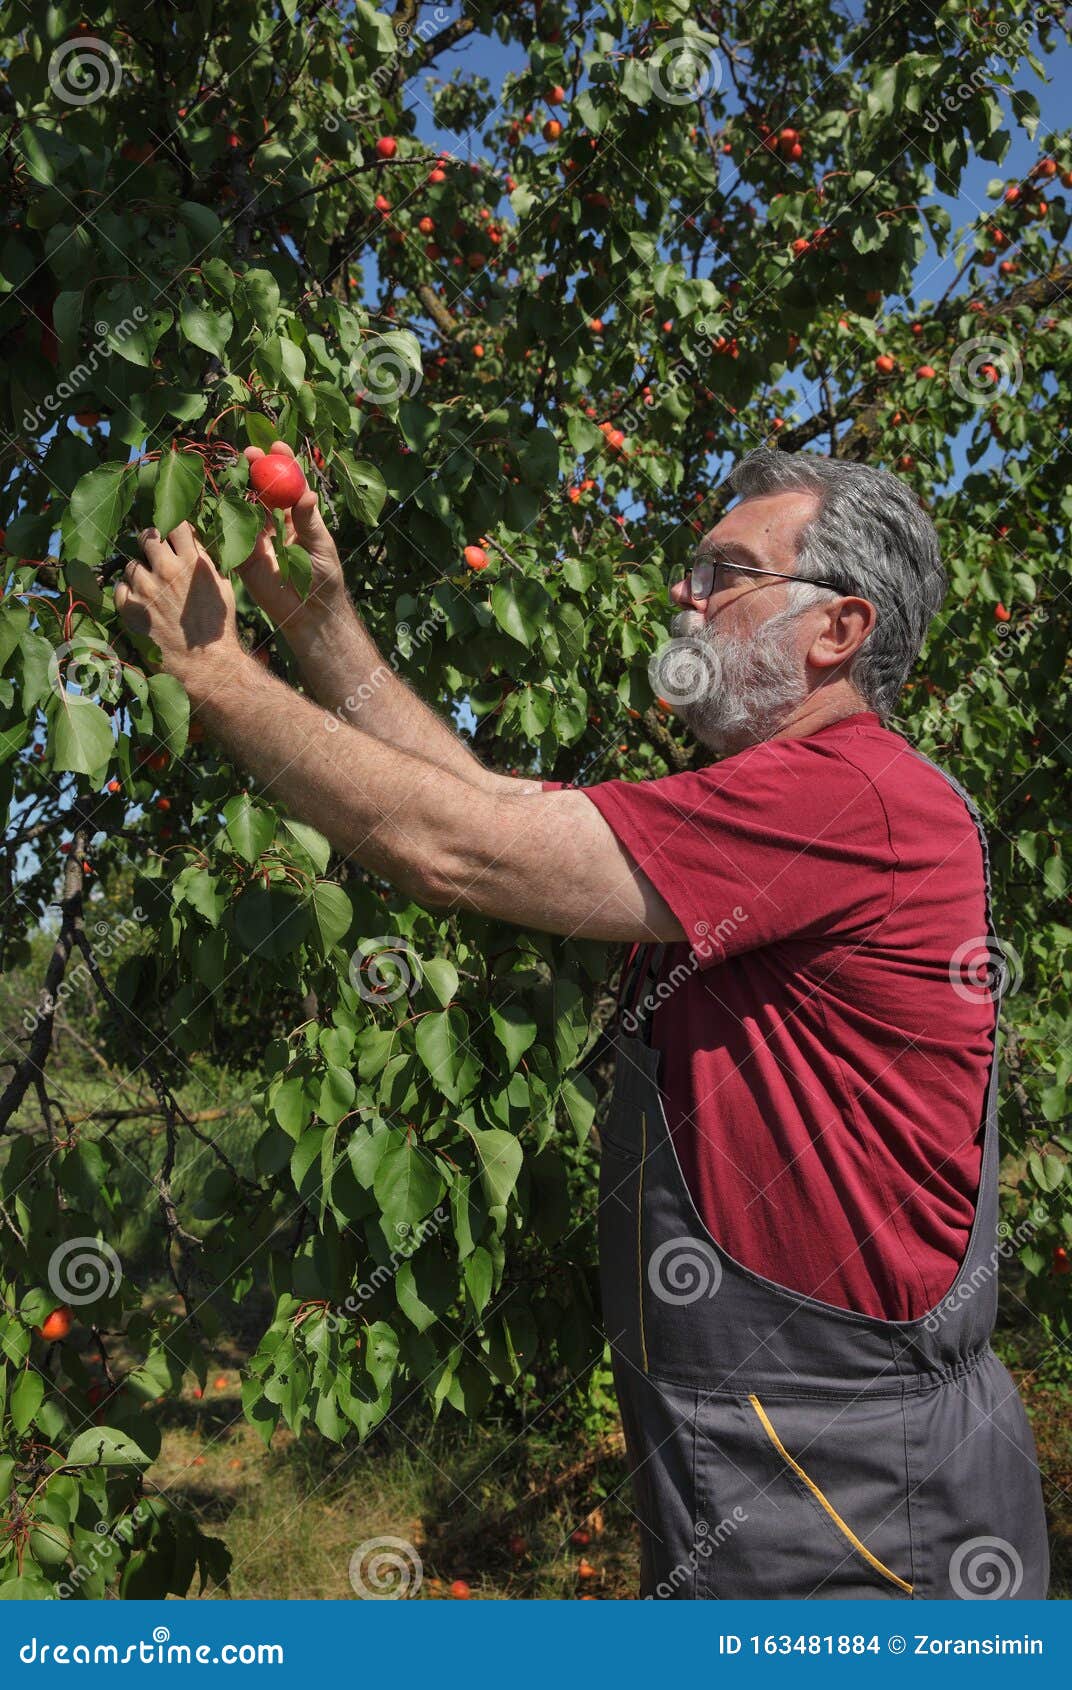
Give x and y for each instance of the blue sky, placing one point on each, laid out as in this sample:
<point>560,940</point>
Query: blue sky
<point>488,57</point>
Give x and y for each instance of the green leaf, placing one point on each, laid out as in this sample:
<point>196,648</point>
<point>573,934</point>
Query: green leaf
<point>261,430</point>
<point>337,1093</point>
<point>103,1446</point>
<point>635,82</point>
<point>500,1163</point>
<point>333,914</point>
<point>205,327</point>
<point>260,291</point>
<point>307,842</point>
<point>238,525</point>
<point>579,1096</point>
<point>99,503</point>
<point>179,481</point>
<point>538,460</point>
<point>584,436</point>
<point>291,1107</point>
<point>442,977</point>
<point>26,1398</point>
<point>515,1030</point>
<point>379,369</point>
<point>440,1042</point>
<point>80,737</point>
<point>520,607</point>
<point>363,487</point>
<point>296,566</point>
<point>250,827</point>
<point>407,1184</point>
<point>203,892</point>
<point>132,328</point>
<point>171,711</point>
<point>479,1278</point>
<point>271,922</point>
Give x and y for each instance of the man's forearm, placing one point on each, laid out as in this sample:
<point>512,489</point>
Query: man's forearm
<point>382,807</point>
<point>344,670</point>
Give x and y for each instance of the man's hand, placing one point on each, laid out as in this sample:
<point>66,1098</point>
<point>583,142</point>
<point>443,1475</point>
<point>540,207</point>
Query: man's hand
<point>178,599</point>
<point>304,526</point>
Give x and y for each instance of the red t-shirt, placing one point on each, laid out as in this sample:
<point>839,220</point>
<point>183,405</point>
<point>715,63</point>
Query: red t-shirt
<point>823,1079</point>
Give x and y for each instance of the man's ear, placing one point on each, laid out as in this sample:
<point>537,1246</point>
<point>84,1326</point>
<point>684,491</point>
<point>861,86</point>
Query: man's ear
<point>845,627</point>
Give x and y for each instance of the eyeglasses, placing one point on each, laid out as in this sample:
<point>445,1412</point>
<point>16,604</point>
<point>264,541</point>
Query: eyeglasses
<point>708,578</point>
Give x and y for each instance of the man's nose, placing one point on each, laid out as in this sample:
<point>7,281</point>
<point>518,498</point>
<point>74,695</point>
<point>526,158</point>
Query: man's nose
<point>680,591</point>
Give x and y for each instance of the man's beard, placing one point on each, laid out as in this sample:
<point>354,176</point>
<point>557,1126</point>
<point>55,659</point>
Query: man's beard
<point>744,689</point>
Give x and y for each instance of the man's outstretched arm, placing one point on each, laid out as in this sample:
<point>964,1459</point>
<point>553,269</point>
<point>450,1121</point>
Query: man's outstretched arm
<point>548,861</point>
<point>338,658</point>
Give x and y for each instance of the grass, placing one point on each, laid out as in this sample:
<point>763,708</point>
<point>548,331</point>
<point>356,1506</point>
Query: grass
<point>477,1503</point>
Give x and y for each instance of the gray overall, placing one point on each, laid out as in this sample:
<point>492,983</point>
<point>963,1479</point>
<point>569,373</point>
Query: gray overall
<point>783,1447</point>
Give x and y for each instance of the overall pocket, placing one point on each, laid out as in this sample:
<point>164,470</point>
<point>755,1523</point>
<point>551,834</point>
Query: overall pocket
<point>815,1493</point>
<point>804,1499</point>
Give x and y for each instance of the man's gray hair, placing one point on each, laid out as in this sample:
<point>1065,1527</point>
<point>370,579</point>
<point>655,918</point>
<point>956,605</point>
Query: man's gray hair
<point>871,534</point>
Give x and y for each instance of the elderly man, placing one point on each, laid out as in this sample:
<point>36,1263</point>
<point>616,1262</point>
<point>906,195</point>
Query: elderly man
<point>798,1186</point>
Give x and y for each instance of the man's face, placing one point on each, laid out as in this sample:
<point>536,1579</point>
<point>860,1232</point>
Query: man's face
<point>751,647</point>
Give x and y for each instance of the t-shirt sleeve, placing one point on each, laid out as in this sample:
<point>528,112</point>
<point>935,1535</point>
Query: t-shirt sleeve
<point>787,840</point>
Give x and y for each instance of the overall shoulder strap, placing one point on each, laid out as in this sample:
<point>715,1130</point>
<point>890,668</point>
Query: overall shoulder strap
<point>639,975</point>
